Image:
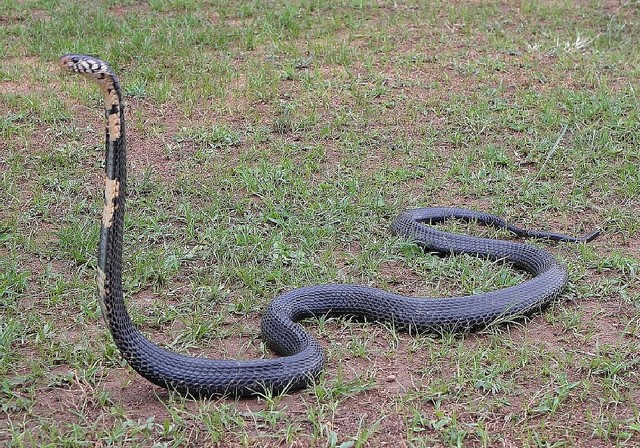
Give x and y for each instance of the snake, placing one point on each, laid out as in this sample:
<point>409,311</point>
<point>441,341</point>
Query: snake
<point>301,357</point>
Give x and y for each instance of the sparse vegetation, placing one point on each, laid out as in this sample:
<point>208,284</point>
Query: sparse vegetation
<point>271,144</point>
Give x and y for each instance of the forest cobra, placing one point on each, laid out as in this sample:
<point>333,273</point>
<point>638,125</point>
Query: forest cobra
<point>301,356</point>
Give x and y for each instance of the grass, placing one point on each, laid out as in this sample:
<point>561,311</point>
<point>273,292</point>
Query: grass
<point>271,144</point>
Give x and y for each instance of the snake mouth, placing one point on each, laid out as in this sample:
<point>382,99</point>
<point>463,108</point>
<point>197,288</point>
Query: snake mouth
<point>83,64</point>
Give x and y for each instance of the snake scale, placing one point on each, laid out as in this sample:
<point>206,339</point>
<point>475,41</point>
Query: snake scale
<point>301,356</point>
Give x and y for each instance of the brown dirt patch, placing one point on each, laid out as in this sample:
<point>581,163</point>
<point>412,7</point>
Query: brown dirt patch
<point>11,87</point>
<point>135,7</point>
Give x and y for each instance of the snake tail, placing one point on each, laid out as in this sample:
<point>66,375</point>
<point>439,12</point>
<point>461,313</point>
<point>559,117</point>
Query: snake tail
<point>301,357</point>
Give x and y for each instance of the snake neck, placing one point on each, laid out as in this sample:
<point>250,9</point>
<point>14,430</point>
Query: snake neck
<point>112,225</point>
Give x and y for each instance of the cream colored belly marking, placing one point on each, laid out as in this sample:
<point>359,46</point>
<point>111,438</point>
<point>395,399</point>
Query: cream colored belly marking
<point>111,191</point>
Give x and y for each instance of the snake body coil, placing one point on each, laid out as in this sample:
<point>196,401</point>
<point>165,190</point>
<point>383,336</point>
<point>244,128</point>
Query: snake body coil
<point>302,357</point>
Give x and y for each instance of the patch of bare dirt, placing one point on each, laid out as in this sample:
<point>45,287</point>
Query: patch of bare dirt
<point>147,152</point>
<point>22,60</point>
<point>11,87</point>
<point>23,87</point>
<point>403,279</point>
<point>135,7</point>
<point>16,18</point>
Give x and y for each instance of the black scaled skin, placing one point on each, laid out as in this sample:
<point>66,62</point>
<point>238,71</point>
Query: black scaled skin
<point>302,357</point>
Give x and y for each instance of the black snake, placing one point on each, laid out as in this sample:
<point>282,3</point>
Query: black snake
<point>302,357</point>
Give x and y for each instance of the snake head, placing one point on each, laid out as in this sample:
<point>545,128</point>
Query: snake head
<point>85,65</point>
